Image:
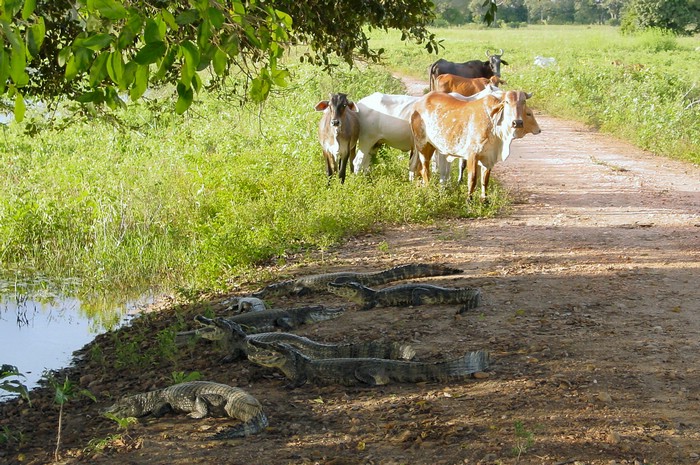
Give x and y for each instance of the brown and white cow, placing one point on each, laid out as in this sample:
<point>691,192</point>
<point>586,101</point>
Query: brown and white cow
<point>338,132</point>
<point>466,86</point>
<point>479,131</point>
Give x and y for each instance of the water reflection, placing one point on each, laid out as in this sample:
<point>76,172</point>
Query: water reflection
<point>40,328</point>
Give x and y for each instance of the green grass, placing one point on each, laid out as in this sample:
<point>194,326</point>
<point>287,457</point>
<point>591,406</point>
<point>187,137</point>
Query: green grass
<point>198,202</point>
<point>649,96</point>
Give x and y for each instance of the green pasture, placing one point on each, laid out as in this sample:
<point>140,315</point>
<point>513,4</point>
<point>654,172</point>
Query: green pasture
<point>201,201</point>
<point>643,88</point>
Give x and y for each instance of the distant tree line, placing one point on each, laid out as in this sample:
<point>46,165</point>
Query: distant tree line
<point>678,16</point>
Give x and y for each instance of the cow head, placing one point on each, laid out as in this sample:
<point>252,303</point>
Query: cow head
<point>514,115</point>
<point>495,62</point>
<point>337,104</point>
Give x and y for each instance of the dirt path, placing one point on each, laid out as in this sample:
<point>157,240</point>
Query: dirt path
<point>591,311</point>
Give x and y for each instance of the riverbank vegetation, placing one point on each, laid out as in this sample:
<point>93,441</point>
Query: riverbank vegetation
<point>198,201</point>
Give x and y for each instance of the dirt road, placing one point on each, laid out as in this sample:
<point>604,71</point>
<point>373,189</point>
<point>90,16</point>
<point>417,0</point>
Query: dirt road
<point>591,312</point>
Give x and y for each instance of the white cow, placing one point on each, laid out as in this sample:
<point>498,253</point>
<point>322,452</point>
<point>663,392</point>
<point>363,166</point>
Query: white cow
<point>385,119</point>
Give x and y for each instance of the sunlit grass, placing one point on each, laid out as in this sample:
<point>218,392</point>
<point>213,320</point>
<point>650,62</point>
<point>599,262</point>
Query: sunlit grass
<point>198,202</point>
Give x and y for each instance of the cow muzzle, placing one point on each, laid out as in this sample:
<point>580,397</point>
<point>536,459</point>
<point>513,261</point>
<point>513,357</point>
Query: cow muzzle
<point>517,123</point>
<point>335,123</point>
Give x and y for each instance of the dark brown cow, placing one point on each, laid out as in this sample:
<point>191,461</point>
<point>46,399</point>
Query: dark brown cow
<point>479,131</point>
<point>468,69</point>
<point>338,132</point>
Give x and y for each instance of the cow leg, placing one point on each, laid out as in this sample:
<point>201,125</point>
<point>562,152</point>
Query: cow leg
<point>443,166</point>
<point>462,167</point>
<point>472,175</point>
<point>421,145</point>
<point>330,163</point>
<point>485,182</point>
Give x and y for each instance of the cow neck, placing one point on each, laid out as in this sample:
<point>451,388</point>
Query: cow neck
<point>504,133</point>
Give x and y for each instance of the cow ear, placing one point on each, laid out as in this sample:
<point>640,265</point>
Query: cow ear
<point>497,114</point>
<point>352,106</point>
<point>528,95</point>
<point>504,62</point>
<point>322,105</point>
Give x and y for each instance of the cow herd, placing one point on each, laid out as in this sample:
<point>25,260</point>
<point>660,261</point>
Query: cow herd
<point>465,117</point>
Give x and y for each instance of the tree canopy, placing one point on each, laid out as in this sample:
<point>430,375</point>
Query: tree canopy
<point>99,51</point>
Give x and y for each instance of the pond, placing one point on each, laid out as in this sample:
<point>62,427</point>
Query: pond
<point>40,328</point>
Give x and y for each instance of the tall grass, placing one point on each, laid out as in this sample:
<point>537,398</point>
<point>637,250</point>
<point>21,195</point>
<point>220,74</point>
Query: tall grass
<point>644,88</point>
<point>197,202</point>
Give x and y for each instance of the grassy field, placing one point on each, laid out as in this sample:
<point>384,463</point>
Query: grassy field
<point>644,88</point>
<point>198,202</point>
<point>201,201</point>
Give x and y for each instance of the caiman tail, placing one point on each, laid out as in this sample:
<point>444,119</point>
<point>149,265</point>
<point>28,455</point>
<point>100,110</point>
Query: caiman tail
<point>400,273</point>
<point>472,362</point>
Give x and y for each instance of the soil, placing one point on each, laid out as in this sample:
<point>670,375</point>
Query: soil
<point>591,314</point>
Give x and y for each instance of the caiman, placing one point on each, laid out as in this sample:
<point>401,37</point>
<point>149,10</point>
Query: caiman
<point>268,320</point>
<point>237,343</point>
<point>319,282</point>
<point>404,295</point>
<point>198,399</point>
<point>300,369</point>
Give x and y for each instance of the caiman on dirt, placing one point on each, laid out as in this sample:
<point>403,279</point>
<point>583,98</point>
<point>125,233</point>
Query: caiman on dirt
<point>319,282</point>
<point>300,369</point>
<point>198,399</point>
<point>238,343</point>
<point>266,321</point>
<point>404,295</point>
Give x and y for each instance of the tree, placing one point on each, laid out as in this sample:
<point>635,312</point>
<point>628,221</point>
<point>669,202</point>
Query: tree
<point>678,16</point>
<point>98,51</point>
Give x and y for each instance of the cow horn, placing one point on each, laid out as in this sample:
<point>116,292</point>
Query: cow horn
<point>528,95</point>
<point>501,52</point>
<point>488,54</point>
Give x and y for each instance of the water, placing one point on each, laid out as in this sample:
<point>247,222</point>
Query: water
<point>40,330</point>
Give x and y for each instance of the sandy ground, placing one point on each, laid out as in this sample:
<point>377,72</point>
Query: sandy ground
<point>591,313</point>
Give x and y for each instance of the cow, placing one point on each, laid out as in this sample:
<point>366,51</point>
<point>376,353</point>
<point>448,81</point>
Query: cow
<point>466,86</point>
<point>384,119</point>
<point>479,131</point>
<point>338,132</point>
<point>468,69</point>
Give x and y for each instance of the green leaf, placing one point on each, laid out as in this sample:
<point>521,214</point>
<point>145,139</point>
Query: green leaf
<point>196,83</point>
<point>63,55</point>
<point>187,17</point>
<point>4,69</point>
<point>96,42</point>
<point>96,96</point>
<point>184,98</point>
<point>110,9</point>
<point>216,17</point>
<point>28,9</point>
<point>140,83</point>
<point>18,62</point>
<point>169,19</point>
<point>113,101</point>
<point>259,89</point>
<point>152,32</point>
<point>150,53</point>
<point>35,37</point>
<point>220,61</point>
<point>128,76</point>
<point>190,52</point>
<point>115,66</point>
<point>98,70</point>
<point>20,107</point>
<point>130,30</point>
